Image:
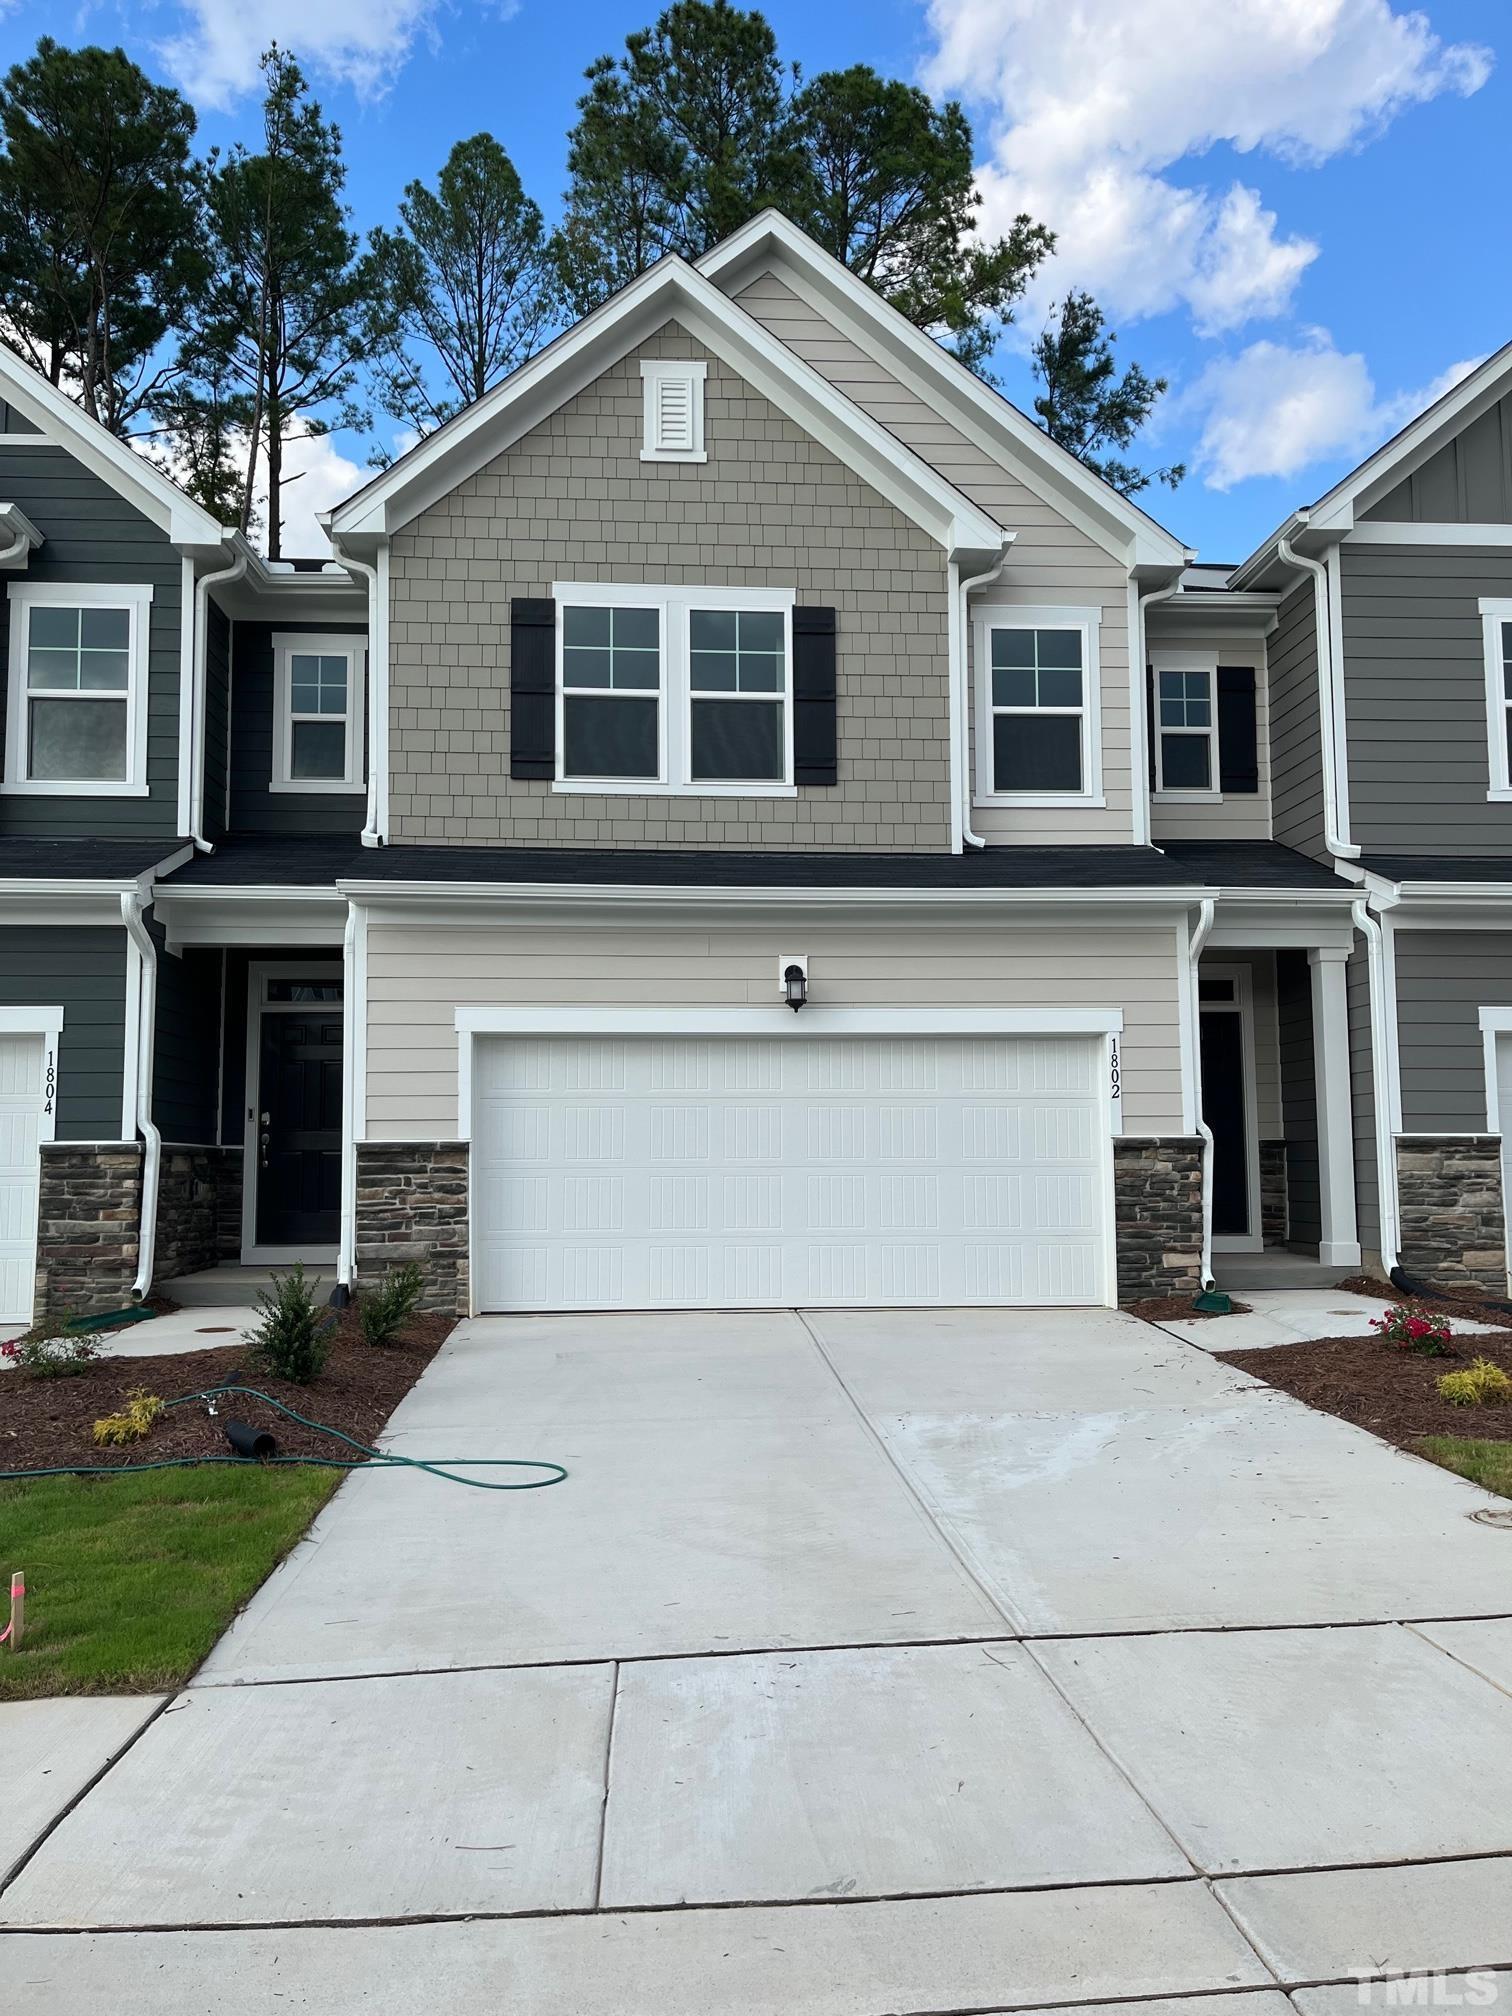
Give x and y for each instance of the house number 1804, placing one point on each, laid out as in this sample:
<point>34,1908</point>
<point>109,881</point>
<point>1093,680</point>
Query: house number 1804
<point>49,1081</point>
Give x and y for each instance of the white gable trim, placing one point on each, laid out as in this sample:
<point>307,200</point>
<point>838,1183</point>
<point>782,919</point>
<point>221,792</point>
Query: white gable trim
<point>132,476</point>
<point>770,242</point>
<point>669,290</point>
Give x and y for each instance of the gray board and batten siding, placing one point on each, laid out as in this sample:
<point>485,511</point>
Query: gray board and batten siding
<point>1415,698</point>
<point>82,970</point>
<point>1466,482</point>
<point>93,535</point>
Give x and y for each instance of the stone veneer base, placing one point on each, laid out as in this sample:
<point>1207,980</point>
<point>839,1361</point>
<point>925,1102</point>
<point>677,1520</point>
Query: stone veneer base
<point>1273,1193</point>
<point>199,1210</point>
<point>412,1205</point>
<point>1453,1227</point>
<point>1157,1207</point>
<point>89,1212</point>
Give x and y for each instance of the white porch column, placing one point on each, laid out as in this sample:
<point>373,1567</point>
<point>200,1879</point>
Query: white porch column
<point>1339,1245</point>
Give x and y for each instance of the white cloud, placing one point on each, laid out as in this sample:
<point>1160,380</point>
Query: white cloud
<point>1091,101</point>
<point>363,43</point>
<point>316,475</point>
<point>1275,409</point>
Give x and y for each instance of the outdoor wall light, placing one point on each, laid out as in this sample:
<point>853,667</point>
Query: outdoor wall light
<point>792,978</point>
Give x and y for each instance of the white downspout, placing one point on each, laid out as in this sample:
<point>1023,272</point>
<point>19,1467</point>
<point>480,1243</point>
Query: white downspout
<point>1382,1076</point>
<point>1336,842</point>
<point>1139,680</point>
<point>377,718</point>
<point>152,1154</point>
<point>1195,944</point>
<point>198,708</point>
<point>346,1250</point>
<point>958,640</point>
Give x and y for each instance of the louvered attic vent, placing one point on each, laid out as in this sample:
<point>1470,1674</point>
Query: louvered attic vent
<point>674,394</point>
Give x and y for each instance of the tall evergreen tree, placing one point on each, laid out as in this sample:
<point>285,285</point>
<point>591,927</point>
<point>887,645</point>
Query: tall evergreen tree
<point>1086,406</point>
<point>467,281</point>
<point>700,125</point>
<point>101,241</point>
<point>285,325</point>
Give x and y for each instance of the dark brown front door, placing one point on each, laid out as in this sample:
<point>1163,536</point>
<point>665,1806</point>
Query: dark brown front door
<point>299,1129</point>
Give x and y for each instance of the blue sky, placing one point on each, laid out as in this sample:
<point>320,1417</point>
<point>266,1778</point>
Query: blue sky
<point>1293,209</point>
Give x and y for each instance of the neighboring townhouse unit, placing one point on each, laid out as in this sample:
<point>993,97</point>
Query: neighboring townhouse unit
<point>746,820</point>
<point>1397,589</point>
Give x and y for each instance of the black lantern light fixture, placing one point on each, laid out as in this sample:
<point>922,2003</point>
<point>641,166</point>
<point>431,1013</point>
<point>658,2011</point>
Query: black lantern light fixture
<point>795,983</point>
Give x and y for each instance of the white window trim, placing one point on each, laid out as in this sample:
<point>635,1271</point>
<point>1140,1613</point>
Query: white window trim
<point>1187,794</point>
<point>1040,616</point>
<point>674,695</point>
<point>654,372</point>
<point>327,644</point>
<point>136,598</point>
<point>1494,611</point>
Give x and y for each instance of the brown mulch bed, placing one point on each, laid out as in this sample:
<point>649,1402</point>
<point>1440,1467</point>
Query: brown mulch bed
<point>1468,1306</point>
<point>1377,1386</point>
<point>47,1422</point>
<point>1176,1309</point>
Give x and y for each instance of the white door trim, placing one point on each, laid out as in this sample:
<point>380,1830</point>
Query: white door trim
<point>47,1025</point>
<point>1496,1023</point>
<point>1243,1005</point>
<point>259,972</point>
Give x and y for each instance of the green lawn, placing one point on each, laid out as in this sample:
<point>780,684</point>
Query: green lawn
<point>131,1579</point>
<point>1485,1463</point>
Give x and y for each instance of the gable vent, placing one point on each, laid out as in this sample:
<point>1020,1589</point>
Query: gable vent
<point>674,403</point>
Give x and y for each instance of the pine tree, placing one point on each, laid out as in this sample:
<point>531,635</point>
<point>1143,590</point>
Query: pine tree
<point>1086,406</point>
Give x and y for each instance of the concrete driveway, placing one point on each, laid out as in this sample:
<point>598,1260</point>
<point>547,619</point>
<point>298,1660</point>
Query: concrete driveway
<point>866,1663</point>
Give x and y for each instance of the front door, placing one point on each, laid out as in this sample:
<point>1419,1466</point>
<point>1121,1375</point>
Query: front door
<point>295,1206</point>
<point>1223,1110</point>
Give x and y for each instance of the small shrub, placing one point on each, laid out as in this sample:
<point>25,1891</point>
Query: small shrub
<point>52,1357</point>
<point>132,1424</point>
<point>292,1337</point>
<point>1410,1327</point>
<point>1481,1384</point>
<point>384,1313</point>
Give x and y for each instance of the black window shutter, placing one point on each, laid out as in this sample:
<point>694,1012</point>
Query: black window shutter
<point>1151,729</point>
<point>1238,750</point>
<point>814,733</point>
<point>532,687</point>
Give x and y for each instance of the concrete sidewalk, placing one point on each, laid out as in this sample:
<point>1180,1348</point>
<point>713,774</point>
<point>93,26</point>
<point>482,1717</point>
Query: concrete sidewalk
<point>866,1663</point>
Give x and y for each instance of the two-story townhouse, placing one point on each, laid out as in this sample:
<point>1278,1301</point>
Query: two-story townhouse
<point>1398,586</point>
<point>162,685</point>
<point>759,902</point>
<point>819,844</point>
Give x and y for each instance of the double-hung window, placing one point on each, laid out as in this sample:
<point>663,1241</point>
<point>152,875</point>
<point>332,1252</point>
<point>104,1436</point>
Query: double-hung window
<point>77,712</point>
<point>1037,706</point>
<point>318,682</point>
<point>1184,727</point>
<point>666,690</point>
<point>1496,623</point>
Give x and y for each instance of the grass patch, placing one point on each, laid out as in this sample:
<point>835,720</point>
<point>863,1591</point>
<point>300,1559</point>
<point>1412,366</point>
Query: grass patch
<point>131,1579</point>
<point>1488,1464</point>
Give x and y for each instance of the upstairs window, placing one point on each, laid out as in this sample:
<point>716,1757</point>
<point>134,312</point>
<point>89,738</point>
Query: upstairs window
<point>674,689</point>
<point>1036,677</point>
<point>1496,621</point>
<point>318,683</point>
<point>77,714</point>
<point>1184,729</point>
<point>673,391</point>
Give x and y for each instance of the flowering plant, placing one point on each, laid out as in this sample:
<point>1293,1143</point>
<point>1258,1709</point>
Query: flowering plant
<point>51,1357</point>
<point>1409,1327</point>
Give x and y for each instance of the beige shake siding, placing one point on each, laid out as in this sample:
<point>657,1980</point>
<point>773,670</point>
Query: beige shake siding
<point>1244,818</point>
<point>573,501</point>
<point>1052,561</point>
<point>418,976</point>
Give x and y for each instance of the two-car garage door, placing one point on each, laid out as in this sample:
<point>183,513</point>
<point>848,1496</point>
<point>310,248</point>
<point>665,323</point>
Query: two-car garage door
<point>723,1172</point>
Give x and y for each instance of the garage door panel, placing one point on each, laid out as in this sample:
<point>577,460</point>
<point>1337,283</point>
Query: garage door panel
<point>868,1171</point>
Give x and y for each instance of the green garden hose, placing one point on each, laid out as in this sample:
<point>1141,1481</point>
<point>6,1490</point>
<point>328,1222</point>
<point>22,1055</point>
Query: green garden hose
<point>374,1458</point>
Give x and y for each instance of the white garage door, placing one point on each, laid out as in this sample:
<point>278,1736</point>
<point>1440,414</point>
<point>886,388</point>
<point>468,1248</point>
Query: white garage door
<point>760,1172</point>
<point>20,1129</point>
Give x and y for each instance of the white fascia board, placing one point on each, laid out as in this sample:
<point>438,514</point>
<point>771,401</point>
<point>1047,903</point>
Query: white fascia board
<point>1245,611</point>
<point>771,242</point>
<point>14,524</point>
<point>130,475</point>
<point>816,1019</point>
<point>294,917</point>
<point>670,290</point>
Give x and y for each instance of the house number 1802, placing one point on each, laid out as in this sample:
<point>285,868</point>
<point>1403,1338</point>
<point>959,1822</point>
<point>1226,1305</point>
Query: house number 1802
<point>1114,1075</point>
